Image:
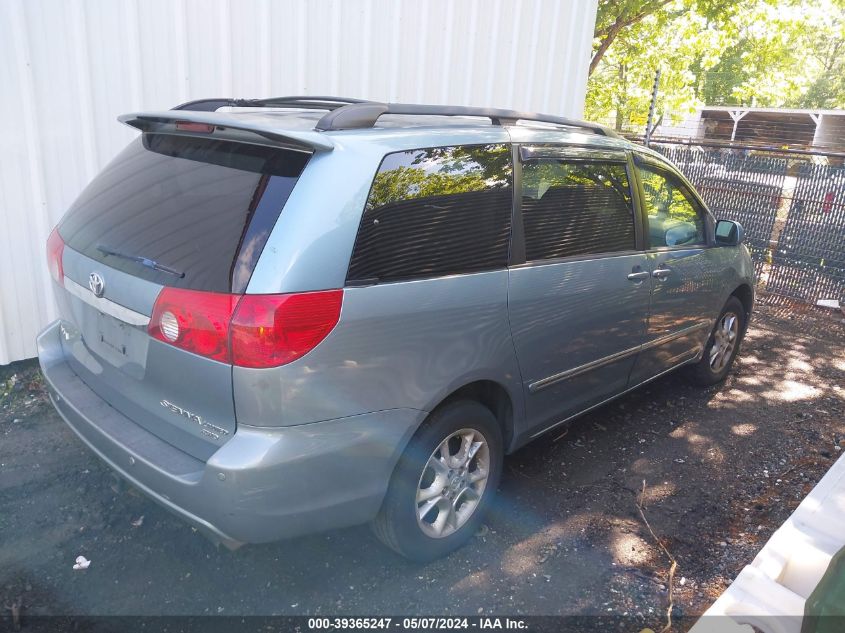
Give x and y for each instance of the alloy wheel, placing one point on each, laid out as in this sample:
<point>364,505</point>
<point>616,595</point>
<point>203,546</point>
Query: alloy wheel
<point>452,483</point>
<point>724,341</point>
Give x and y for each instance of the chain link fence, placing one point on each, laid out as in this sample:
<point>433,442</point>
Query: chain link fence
<point>792,208</point>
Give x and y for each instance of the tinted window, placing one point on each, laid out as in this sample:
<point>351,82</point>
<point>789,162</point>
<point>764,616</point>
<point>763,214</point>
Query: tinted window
<point>437,211</point>
<point>201,207</point>
<point>673,218</point>
<point>576,208</point>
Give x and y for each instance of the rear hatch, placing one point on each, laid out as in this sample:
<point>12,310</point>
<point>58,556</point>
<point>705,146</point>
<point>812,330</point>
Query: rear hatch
<point>172,213</point>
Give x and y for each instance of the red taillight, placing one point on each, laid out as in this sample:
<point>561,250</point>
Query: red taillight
<point>271,330</point>
<point>55,249</point>
<point>195,321</point>
<point>249,330</point>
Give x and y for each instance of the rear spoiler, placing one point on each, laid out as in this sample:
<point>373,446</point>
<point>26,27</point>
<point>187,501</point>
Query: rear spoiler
<point>167,123</point>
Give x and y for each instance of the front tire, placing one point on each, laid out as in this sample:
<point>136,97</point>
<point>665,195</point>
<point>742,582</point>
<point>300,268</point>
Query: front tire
<point>722,346</point>
<point>444,482</point>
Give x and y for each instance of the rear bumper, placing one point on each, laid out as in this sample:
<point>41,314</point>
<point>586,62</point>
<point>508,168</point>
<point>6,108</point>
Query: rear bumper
<point>264,484</point>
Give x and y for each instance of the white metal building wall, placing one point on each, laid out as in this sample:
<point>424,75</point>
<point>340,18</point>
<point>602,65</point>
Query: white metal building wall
<point>69,67</point>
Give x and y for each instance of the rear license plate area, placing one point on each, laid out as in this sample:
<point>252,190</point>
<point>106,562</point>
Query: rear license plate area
<point>112,333</point>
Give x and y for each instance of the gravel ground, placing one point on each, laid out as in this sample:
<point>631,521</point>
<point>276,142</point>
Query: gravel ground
<point>723,467</point>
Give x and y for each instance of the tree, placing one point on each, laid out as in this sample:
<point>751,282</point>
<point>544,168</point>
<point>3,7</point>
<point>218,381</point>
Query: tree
<point>714,52</point>
<point>826,51</point>
<point>614,16</point>
<point>621,86</point>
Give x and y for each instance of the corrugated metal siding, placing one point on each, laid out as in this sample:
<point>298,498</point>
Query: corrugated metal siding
<point>69,67</point>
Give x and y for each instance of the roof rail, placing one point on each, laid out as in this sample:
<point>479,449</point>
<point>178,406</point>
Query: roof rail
<point>347,113</point>
<point>365,114</point>
<point>315,103</point>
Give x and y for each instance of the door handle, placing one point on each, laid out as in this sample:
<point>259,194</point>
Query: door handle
<point>638,277</point>
<point>661,273</point>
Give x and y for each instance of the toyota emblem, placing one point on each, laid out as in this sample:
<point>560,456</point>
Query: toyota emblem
<point>96,284</point>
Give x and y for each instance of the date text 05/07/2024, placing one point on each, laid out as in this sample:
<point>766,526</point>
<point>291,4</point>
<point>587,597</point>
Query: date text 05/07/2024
<point>417,623</point>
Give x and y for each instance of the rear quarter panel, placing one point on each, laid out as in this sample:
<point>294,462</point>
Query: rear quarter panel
<point>398,345</point>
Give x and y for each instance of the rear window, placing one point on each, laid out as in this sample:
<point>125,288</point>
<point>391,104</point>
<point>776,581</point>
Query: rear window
<point>200,208</point>
<point>436,211</point>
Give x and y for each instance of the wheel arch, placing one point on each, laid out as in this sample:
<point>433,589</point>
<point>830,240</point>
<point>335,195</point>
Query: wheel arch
<point>745,294</point>
<point>495,397</point>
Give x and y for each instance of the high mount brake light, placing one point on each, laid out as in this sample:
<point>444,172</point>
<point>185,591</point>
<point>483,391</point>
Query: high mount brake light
<point>248,331</point>
<point>190,126</point>
<point>55,250</point>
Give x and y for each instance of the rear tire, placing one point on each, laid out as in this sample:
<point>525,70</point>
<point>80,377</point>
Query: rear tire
<point>444,482</point>
<point>722,346</point>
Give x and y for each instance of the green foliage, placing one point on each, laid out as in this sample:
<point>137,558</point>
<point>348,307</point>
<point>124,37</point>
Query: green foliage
<point>825,44</point>
<point>441,171</point>
<point>712,52</point>
<point>540,176</point>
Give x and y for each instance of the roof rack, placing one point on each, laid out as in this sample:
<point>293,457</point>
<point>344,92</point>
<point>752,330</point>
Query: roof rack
<point>365,114</point>
<point>349,114</point>
<point>308,103</point>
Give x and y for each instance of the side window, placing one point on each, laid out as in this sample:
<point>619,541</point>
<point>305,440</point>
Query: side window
<point>436,211</point>
<point>576,208</point>
<point>673,218</point>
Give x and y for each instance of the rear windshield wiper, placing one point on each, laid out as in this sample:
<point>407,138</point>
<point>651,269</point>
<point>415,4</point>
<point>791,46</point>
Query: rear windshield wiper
<point>144,261</point>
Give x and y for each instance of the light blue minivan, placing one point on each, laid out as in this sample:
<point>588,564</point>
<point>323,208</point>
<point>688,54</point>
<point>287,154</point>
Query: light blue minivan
<point>287,315</point>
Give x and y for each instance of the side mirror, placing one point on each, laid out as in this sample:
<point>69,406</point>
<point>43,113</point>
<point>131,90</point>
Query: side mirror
<point>680,234</point>
<point>729,233</point>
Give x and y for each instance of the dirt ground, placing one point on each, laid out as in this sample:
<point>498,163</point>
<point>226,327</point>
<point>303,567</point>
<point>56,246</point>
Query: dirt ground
<point>723,467</point>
